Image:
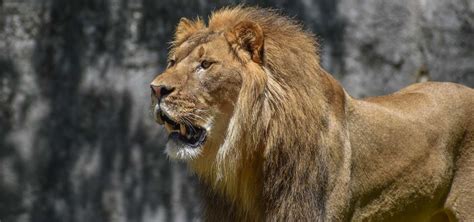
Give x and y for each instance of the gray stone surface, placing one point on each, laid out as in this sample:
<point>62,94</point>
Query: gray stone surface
<point>76,138</point>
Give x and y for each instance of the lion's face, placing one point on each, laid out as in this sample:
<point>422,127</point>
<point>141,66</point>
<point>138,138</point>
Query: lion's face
<point>194,96</point>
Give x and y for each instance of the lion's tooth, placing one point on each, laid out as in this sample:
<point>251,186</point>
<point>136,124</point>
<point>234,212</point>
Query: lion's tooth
<point>182,129</point>
<point>158,115</point>
<point>158,119</point>
<point>168,127</point>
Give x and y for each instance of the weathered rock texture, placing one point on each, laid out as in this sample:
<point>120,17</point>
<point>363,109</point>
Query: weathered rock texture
<point>77,142</point>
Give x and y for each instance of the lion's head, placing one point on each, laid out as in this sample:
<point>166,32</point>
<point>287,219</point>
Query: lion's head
<point>196,93</point>
<point>221,77</point>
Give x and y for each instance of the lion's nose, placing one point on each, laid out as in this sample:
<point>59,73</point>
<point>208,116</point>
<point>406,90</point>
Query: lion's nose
<point>161,91</point>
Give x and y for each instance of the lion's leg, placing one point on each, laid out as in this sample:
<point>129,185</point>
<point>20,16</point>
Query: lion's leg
<point>460,201</point>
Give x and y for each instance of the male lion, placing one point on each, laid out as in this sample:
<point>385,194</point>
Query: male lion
<point>274,137</point>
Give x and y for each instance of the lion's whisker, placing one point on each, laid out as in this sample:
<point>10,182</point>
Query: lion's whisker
<point>192,115</point>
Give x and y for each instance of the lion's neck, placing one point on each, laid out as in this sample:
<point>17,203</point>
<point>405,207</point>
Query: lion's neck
<point>240,188</point>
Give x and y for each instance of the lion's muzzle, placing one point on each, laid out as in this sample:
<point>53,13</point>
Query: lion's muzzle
<point>182,132</point>
<point>191,135</point>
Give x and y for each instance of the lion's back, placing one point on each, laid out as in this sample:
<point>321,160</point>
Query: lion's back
<point>431,102</point>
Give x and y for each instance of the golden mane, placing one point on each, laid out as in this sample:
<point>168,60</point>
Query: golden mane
<point>287,82</point>
<point>290,90</point>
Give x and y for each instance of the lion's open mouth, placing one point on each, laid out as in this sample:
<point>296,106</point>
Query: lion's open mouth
<point>190,135</point>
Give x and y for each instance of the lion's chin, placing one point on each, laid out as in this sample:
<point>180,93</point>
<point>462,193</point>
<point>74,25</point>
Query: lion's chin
<point>177,150</point>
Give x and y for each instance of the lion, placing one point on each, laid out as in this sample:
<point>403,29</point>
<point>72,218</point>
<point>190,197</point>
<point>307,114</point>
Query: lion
<point>272,136</point>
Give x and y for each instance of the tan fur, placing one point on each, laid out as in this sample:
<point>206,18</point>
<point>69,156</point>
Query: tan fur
<point>287,143</point>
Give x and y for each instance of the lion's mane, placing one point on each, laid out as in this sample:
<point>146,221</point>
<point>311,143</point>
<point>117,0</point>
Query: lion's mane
<point>283,114</point>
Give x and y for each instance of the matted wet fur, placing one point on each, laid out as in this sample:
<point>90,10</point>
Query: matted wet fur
<point>285,142</point>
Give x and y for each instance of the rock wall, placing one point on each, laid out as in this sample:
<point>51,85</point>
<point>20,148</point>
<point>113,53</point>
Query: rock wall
<point>387,42</point>
<point>77,142</point>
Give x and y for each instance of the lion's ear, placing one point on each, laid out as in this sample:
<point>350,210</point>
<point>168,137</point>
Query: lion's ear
<point>186,28</point>
<point>249,36</point>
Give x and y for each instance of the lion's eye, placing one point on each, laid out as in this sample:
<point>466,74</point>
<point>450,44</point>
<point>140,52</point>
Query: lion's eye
<point>206,64</point>
<point>171,63</point>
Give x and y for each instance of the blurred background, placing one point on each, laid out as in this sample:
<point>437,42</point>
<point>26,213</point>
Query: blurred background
<point>77,140</point>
